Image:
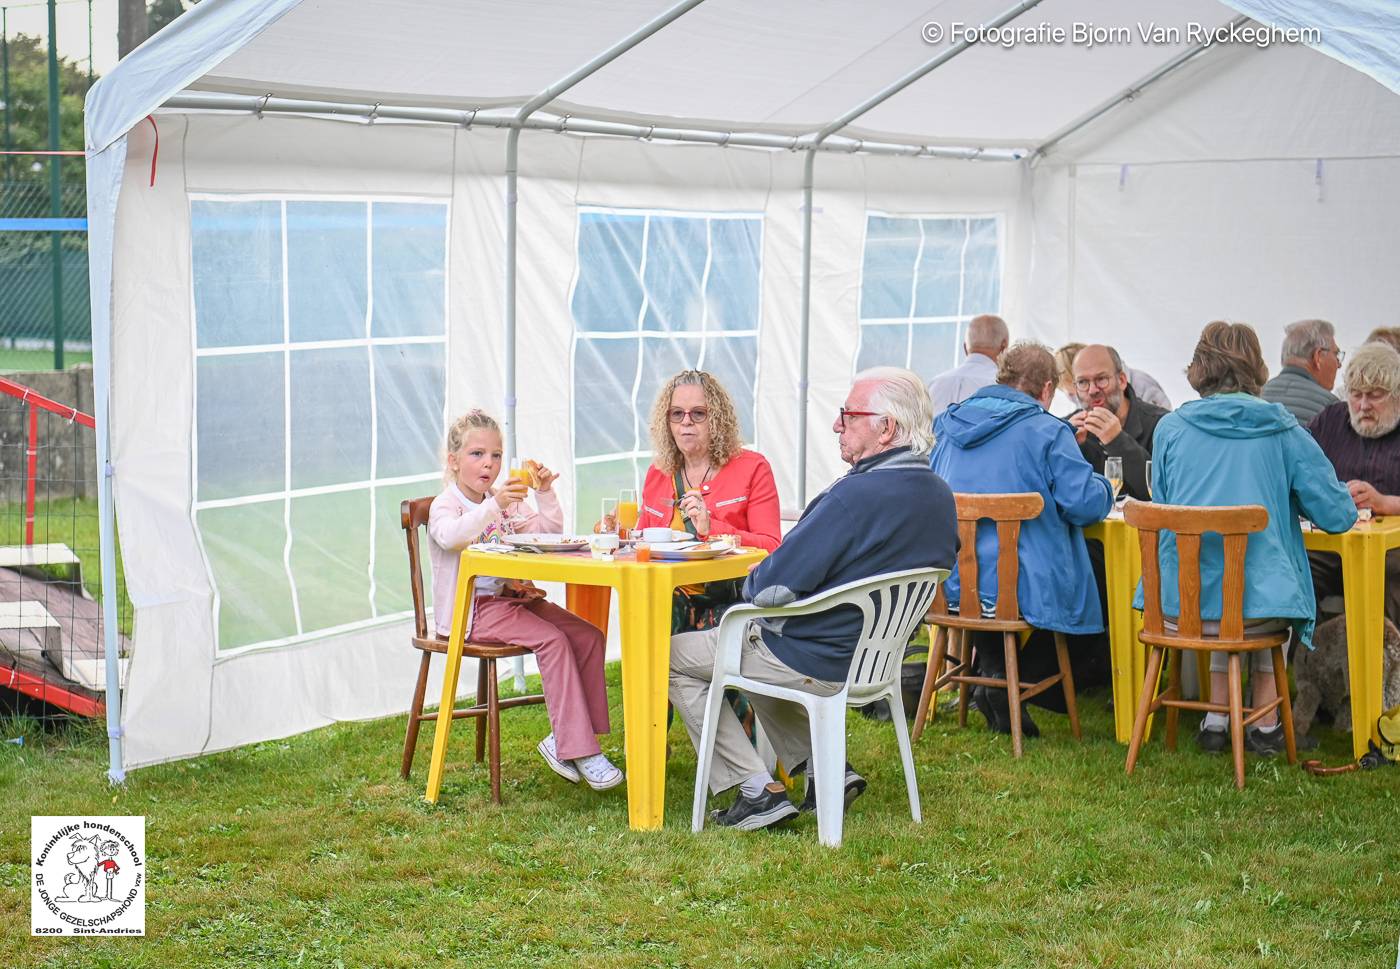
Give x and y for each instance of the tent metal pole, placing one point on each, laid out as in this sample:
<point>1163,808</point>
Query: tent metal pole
<point>1128,95</point>
<point>576,124</point>
<point>805,327</point>
<point>512,177</point>
<point>931,65</point>
<point>512,215</point>
<point>809,163</point>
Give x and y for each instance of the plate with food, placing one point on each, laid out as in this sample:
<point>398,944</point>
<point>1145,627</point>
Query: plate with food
<point>690,551</point>
<point>548,542</point>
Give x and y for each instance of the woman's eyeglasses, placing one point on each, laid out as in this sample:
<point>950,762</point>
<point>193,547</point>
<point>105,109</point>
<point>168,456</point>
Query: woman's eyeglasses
<point>698,415</point>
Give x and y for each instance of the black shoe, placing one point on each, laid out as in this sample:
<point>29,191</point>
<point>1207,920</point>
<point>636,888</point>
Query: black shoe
<point>1212,740</point>
<point>855,787</point>
<point>1265,743</point>
<point>997,709</point>
<point>751,814</point>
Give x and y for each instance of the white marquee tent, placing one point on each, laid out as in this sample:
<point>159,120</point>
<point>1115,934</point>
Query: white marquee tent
<point>305,258</point>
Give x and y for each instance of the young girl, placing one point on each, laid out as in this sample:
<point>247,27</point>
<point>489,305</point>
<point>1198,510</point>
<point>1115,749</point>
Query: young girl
<point>568,649</point>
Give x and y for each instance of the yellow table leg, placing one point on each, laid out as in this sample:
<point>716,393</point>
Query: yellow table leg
<point>644,611</point>
<point>461,618</point>
<point>1121,568</point>
<point>1363,578</point>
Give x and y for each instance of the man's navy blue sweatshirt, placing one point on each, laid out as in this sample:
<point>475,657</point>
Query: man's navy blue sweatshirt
<point>889,512</point>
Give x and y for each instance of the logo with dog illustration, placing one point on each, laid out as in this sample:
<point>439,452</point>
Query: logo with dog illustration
<point>88,876</point>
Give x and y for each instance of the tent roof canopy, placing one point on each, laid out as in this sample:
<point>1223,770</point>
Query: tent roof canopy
<point>785,67</point>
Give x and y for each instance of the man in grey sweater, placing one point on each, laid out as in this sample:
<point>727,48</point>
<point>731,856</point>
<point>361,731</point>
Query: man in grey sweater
<point>1311,360</point>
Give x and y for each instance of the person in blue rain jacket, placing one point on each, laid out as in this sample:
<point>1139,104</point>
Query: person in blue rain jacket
<point>1234,448</point>
<point>1002,440</point>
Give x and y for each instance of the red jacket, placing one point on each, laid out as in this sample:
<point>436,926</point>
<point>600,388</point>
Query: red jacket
<point>742,499</point>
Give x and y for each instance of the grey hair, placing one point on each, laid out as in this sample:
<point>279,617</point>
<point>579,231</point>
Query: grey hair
<point>1302,338</point>
<point>987,332</point>
<point>902,396</point>
<point>1374,366</point>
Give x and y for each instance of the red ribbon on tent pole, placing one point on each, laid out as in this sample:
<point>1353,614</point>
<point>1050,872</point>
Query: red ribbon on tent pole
<point>156,153</point>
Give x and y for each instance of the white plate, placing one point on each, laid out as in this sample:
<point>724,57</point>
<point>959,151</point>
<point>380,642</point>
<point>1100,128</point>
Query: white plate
<point>548,542</point>
<point>684,552</point>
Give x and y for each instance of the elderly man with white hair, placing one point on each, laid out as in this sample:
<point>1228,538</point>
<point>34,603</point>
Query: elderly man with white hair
<point>987,337</point>
<point>1310,360</point>
<point>1361,437</point>
<point>888,513</point>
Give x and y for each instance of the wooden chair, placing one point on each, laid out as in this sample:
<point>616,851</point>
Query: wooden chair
<point>1007,511</point>
<point>1233,524</point>
<point>488,706</point>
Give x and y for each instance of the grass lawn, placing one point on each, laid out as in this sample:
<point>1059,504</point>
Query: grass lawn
<point>29,361</point>
<point>312,852</point>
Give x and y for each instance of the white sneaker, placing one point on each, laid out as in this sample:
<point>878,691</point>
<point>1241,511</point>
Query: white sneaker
<point>563,768</point>
<point>598,772</point>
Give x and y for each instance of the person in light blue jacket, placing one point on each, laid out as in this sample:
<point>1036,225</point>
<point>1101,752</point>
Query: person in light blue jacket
<point>1234,448</point>
<point>1002,440</point>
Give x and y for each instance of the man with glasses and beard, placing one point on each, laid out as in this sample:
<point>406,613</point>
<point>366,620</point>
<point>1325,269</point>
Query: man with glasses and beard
<point>1112,421</point>
<point>1361,437</point>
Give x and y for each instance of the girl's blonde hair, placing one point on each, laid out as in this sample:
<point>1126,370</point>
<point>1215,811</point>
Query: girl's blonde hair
<point>473,420</point>
<point>726,439</point>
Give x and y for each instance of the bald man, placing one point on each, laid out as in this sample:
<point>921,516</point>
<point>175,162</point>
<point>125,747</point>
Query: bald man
<point>987,337</point>
<point>1112,421</point>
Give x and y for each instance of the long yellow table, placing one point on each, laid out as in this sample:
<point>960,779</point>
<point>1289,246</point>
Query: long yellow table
<point>644,606</point>
<point>1362,550</point>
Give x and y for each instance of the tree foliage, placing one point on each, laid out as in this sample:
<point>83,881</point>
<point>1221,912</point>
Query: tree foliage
<point>29,108</point>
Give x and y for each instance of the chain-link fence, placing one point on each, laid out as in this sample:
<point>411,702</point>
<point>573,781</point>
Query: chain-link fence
<point>32,240</point>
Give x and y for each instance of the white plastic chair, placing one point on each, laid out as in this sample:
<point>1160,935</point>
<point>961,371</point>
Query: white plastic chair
<point>892,604</point>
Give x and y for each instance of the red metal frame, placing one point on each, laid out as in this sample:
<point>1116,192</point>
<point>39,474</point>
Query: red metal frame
<point>32,684</point>
<point>35,403</point>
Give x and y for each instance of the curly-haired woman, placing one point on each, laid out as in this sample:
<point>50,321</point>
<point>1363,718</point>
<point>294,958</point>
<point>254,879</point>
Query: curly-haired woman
<point>701,478</point>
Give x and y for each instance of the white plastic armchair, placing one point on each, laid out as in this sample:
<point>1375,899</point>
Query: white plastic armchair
<point>892,605</point>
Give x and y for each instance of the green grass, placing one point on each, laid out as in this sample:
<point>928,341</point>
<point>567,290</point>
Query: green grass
<point>30,361</point>
<point>312,852</point>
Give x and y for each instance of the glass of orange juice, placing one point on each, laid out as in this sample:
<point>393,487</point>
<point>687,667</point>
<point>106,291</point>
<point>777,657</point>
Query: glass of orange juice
<point>627,510</point>
<point>518,471</point>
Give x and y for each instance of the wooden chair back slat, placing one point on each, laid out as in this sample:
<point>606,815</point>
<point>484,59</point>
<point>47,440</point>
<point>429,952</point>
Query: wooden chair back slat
<point>1232,588</point>
<point>1151,583</point>
<point>413,515</point>
<point>1188,585</point>
<point>969,604</point>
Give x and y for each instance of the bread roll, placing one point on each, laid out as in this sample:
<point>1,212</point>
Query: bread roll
<point>533,467</point>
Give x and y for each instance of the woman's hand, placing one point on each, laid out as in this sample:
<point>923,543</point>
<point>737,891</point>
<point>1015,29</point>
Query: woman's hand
<point>511,492</point>
<point>693,507</point>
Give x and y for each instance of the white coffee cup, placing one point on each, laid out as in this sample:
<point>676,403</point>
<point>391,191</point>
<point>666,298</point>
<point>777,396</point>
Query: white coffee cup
<point>656,535</point>
<point>604,545</point>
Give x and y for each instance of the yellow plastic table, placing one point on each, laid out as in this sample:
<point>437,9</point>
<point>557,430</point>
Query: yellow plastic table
<point>1362,550</point>
<point>644,606</point>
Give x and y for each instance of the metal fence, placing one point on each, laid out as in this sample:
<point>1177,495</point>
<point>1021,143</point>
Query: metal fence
<point>32,240</point>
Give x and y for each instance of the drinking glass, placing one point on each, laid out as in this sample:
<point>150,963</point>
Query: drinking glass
<point>609,517</point>
<point>1148,469</point>
<point>1113,471</point>
<point>518,471</point>
<point>627,509</point>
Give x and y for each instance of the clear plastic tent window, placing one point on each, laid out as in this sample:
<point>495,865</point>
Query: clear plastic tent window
<point>922,280</point>
<point>320,349</point>
<point>656,293</point>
